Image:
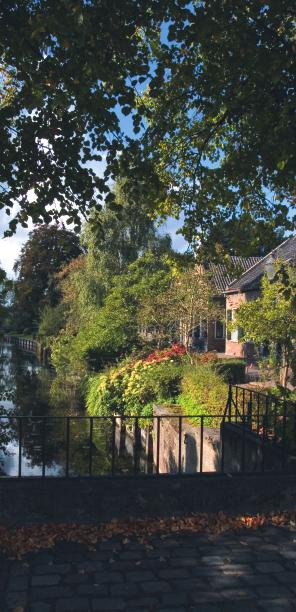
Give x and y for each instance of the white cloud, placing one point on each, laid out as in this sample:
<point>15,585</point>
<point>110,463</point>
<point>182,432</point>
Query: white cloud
<point>10,249</point>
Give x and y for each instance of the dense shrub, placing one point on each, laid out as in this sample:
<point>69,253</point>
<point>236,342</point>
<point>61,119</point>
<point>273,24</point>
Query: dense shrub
<point>203,391</point>
<point>104,394</point>
<point>133,387</point>
<point>165,376</point>
<point>152,382</point>
<point>232,370</point>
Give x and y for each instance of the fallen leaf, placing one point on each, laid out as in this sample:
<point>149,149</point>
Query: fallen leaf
<point>17,542</point>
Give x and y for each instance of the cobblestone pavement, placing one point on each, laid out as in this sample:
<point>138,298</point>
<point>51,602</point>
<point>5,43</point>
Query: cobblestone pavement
<point>247,571</point>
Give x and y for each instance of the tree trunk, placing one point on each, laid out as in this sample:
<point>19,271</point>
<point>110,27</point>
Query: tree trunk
<point>188,352</point>
<point>284,369</point>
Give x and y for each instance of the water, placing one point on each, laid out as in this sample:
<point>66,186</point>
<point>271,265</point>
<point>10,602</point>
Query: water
<point>25,392</point>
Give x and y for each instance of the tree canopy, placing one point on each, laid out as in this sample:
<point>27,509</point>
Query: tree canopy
<point>222,127</point>
<point>243,236</point>
<point>6,287</point>
<point>48,249</point>
<point>97,334</point>
<point>68,69</point>
<point>119,233</point>
<point>208,89</point>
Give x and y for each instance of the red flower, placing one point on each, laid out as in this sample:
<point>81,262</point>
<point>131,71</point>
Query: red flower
<point>176,350</point>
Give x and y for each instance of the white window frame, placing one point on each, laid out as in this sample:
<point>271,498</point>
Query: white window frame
<point>234,332</point>
<point>203,330</point>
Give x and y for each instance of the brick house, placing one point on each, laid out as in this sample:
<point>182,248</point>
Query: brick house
<point>210,335</point>
<point>246,288</point>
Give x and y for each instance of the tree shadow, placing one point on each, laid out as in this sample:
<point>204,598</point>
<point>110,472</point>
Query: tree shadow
<point>191,460</point>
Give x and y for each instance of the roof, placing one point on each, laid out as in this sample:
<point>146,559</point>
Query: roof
<point>223,275</point>
<point>250,279</point>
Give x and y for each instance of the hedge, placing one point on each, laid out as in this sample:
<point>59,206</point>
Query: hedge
<point>232,370</point>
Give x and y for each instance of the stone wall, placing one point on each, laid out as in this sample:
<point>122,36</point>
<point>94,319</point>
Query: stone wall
<point>190,445</point>
<point>125,445</point>
<point>243,450</point>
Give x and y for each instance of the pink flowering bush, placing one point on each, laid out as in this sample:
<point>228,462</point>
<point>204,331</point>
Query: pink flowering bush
<point>174,352</point>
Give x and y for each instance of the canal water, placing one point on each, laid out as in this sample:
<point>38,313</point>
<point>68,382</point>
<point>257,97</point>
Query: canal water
<point>45,434</point>
<point>39,446</point>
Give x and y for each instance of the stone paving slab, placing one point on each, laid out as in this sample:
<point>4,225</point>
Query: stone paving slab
<point>242,572</point>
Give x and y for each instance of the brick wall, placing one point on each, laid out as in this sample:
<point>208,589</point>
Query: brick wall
<point>239,349</point>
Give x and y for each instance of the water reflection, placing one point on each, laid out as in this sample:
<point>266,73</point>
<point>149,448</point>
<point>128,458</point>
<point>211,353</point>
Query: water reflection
<point>25,392</point>
<point>64,441</point>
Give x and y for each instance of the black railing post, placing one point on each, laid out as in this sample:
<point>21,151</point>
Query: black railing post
<point>201,443</point>
<point>113,444</point>
<point>250,410</point>
<point>222,429</point>
<point>20,447</point>
<point>227,411</point>
<point>90,457</point>
<point>275,418</point>
<point>180,446</point>
<point>263,442</point>
<point>157,444</point>
<point>136,446</point>
<point>284,440</point>
<point>266,416</point>
<point>294,428</point>
<point>266,405</point>
<point>244,444</point>
<point>258,413</point>
<point>43,445</point>
<point>67,446</point>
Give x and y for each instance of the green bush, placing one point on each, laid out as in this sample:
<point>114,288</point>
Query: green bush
<point>232,370</point>
<point>133,387</point>
<point>150,383</point>
<point>203,391</point>
<point>52,321</point>
<point>104,392</point>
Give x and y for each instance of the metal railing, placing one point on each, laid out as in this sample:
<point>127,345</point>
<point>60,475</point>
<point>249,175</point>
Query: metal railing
<point>258,409</point>
<point>131,445</point>
<point>23,343</point>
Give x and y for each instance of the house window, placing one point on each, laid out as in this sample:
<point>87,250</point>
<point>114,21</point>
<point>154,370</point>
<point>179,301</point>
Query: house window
<point>200,331</point>
<point>219,330</point>
<point>233,334</point>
